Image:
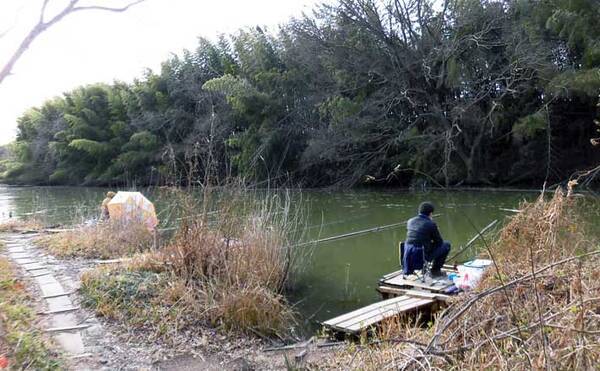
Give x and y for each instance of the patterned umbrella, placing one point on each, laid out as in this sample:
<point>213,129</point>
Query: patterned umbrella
<point>133,207</point>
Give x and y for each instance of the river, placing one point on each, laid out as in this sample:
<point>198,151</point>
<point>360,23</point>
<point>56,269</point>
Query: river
<point>340,275</point>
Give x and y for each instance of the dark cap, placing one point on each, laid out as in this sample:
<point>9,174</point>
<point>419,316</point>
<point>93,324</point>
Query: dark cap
<point>426,208</point>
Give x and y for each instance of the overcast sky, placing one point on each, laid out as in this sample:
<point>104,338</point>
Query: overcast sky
<point>89,47</point>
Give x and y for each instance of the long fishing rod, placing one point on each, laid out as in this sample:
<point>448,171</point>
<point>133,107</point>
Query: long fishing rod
<point>475,238</point>
<point>352,234</point>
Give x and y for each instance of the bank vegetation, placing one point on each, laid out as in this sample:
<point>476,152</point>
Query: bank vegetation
<point>471,92</point>
<point>225,268</point>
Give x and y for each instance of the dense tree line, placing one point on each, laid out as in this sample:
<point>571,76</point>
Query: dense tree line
<point>380,91</point>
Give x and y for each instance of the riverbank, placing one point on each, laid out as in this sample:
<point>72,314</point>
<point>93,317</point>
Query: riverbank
<point>111,344</point>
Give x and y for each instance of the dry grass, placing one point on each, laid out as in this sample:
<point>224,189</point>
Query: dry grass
<point>106,240</point>
<point>21,225</point>
<point>225,269</point>
<point>537,308</point>
<point>22,345</point>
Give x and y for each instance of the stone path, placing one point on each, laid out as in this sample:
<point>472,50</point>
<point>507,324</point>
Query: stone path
<point>62,317</point>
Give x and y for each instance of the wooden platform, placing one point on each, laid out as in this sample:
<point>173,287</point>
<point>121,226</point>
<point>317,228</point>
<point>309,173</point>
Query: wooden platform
<point>362,319</point>
<point>396,280</point>
<point>401,295</point>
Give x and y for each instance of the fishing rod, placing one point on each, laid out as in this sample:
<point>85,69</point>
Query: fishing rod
<point>352,234</point>
<point>472,240</point>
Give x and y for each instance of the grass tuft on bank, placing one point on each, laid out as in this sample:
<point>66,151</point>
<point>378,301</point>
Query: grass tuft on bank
<point>225,269</point>
<point>15,225</point>
<point>22,345</point>
<point>103,241</point>
<point>537,307</point>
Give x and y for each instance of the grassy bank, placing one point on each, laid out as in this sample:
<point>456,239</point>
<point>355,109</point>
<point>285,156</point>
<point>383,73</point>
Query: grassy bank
<point>19,225</point>
<point>225,269</point>
<point>22,345</point>
<point>106,240</point>
<point>536,308</point>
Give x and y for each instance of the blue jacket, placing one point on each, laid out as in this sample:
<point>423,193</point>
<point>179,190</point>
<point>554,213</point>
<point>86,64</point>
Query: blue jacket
<point>422,231</point>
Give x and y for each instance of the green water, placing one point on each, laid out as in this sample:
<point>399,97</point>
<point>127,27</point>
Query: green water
<point>339,275</point>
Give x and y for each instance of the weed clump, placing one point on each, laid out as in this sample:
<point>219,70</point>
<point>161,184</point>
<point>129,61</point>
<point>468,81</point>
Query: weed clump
<point>537,307</point>
<point>104,240</point>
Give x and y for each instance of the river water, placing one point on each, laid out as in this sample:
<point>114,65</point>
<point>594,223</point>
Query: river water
<point>339,275</point>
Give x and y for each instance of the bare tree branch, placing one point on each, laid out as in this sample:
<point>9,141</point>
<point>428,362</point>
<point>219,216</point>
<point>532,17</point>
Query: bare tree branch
<point>43,25</point>
<point>108,9</point>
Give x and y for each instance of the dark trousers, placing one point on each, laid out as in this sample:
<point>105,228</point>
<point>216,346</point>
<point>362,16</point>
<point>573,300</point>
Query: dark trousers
<point>438,255</point>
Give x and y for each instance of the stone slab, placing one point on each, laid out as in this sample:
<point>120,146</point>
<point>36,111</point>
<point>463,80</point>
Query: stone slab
<point>71,342</point>
<point>26,261</point>
<point>33,266</point>
<point>21,255</point>
<point>58,303</point>
<point>47,280</point>
<point>40,273</point>
<point>50,289</point>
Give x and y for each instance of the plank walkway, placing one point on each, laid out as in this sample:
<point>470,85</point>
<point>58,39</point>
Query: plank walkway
<point>362,319</point>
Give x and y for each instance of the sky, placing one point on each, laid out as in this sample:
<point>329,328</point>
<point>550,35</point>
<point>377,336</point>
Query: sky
<point>93,46</point>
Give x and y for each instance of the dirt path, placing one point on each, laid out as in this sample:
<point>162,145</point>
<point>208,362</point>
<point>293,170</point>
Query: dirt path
<point>90,343</point>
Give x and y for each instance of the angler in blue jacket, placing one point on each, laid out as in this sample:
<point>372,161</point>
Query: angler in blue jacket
<point>423,240</point>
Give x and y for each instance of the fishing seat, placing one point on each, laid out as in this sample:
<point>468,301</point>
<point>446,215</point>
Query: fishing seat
<point>427,265</point>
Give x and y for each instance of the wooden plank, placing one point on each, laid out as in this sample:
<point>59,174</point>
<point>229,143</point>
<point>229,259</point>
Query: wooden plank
<point>61,310</point>
<point>413,293</point>
<point>58,230</point>
<point>70,328</point>
<point>375,312</point>
<point>111,261</point>
<point>388,314</point>
<point>391,275</point>
<point>41,274</point>
<point>362,310</point>
<point>58,295</point>
<point>359,311</point>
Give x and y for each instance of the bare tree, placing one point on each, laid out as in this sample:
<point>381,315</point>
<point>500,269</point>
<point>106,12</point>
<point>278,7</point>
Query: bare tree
<point>44,23</point>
